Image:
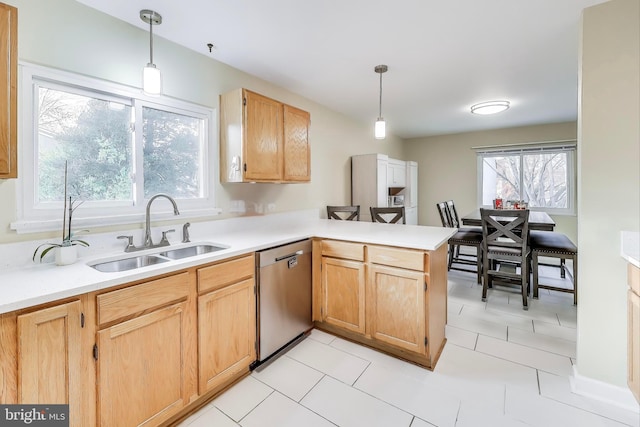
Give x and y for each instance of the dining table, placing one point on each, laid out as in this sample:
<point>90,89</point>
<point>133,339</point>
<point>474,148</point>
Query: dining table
<point>538,220</point>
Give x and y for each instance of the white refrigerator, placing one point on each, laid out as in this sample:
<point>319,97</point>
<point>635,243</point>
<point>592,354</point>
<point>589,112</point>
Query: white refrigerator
<point>411,193</point>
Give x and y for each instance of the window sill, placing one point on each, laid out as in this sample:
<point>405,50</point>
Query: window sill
<point>27,226</point>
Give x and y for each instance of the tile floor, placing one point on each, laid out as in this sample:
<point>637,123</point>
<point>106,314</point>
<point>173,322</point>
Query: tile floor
<point>501,366</point>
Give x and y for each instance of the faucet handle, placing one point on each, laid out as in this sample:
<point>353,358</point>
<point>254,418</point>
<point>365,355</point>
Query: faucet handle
<point>130,245</point>
<point>164,240</point>
<point>185,232</point>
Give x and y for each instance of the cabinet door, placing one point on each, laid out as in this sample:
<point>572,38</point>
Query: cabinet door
<point>633,344</point>
<point>343,284</point>
<point>396,307</point>
<point>8,91</point>
<point>297,151</point>
<point>263,138</point>
<point>227,333</point>
<point>49,358</point>
<point>142,368</point>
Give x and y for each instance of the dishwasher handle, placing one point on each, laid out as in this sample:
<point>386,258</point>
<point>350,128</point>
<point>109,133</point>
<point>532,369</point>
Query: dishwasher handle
<point>282,258</point>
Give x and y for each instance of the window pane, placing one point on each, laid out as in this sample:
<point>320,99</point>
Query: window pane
<point>500,178</point>
<point>546,180</point>
<point>172,154</point>
<point>94,136</point>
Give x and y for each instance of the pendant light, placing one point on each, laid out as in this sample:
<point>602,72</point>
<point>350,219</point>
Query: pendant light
<point>380,128</point>
<point>151,77</point>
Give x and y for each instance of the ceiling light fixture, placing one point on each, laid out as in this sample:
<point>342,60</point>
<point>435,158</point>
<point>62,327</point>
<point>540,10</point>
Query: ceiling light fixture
<point>380,128</point>
<point>151,77</point>
<point>490,107</point>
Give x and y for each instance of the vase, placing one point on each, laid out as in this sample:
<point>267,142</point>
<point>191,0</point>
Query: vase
<point>66,255</point>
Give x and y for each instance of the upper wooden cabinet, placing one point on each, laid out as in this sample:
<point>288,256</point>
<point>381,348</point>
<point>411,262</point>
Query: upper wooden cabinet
<point>8,91</point>
<point>262,140</point>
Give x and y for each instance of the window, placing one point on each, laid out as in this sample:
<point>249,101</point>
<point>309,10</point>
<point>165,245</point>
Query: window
<point>121,148</point>
<point>541,175</point>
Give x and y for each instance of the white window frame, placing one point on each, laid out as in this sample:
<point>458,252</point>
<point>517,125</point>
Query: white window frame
<point>33,218</point>
<point>568,146</point>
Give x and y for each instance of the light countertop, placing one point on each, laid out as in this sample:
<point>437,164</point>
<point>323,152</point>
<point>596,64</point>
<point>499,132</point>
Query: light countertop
<point>33,284</point>
<point>630,247</point>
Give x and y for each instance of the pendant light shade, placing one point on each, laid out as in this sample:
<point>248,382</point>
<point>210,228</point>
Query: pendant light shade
<point>380,130</point>
<point>151,76</point>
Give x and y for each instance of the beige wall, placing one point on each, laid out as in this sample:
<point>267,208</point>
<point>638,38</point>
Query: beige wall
<point>447,167</point>
<point>68,35</point>
<point>609,182</point>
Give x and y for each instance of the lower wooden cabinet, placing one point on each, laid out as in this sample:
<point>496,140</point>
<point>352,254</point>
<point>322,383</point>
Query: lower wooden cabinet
<point>633,331</point>
<point>343,294</point>
<point>396,307</point>
<point>393,299</point>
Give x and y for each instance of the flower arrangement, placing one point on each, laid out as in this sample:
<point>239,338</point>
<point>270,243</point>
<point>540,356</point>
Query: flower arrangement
<point>68,239</point>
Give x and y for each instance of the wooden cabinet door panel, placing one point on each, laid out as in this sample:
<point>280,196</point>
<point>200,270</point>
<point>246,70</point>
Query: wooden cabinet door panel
<point>395,307</point>
<point>8,91</point>
<point>142,368</point>
<point>633,343</point>
<point>49,357</point>
<point>297,150</point>
<point>227,333</point>
<point>343,284</point>
<point>263,138</point>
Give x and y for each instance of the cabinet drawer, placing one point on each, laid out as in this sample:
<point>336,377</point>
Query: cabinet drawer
<point>633,275</point>
<point>227,272</point>
<point>156,293</point>
<point>345,250</point>
<point>394,257</point>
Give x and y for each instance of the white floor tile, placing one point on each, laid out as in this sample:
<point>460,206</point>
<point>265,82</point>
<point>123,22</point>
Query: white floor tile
<point>559,388</point>
<point>329,360</point>
<point>240,399</point>
<point>461,337</point>
<point>454,307</point>
<point>210,416</point>
<point>499,317</point>
<point>420,398</point>
<point>477,416</point>
<point>543,342</point>
<point>536,410</point>
<point>478,325</point>
<point>515,308</point>
<point>279,411</point>
<point>289,377</point>
<point>346,406</point>
<point>476,368</point>
<point>539,359</point>
<point>321,336</point>
<point>417,422</point>
<point>568,320</point>
<point>554,330</point>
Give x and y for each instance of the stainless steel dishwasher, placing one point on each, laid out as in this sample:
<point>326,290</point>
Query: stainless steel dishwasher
<point>284,297</point>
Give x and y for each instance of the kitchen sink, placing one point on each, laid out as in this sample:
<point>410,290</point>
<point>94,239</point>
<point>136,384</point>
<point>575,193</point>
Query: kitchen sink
<point>139,261</point>
<point>190,251</point>
<point>128,263</point>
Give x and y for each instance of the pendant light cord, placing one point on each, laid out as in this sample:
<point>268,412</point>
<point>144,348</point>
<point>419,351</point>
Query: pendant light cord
<point>380,102</point>
<point>151,39</point>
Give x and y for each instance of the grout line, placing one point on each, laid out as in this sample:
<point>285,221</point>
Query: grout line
<point>251,410</point>
<point>312,387</point>
<point>309,409</point>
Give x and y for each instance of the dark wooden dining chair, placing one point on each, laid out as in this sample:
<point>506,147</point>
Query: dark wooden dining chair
<point>470,237</point>
<point>347,213</point>
<point>397,212</point>
<point>505,247</point>
<point>554,245</point>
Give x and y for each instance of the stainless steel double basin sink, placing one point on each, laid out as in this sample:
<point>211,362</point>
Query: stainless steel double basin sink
<point>138,261</point>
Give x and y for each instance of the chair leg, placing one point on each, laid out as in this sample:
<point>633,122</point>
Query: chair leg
<point>485,276</point>
<point>562,268</point>
<point>479,263</point>
<point>575,279</point>
<point>524,281</point>
<point>451,248</point>
<point>534,268</point>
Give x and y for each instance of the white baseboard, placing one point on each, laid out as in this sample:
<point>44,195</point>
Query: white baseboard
<point>605,392</point>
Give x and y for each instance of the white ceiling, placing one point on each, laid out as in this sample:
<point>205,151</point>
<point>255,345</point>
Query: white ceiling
<point>443,55</point>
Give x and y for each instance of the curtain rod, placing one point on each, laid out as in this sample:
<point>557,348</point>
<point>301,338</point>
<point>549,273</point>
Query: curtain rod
<point>524,144</point>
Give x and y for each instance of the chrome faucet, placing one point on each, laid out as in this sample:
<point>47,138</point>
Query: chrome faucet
<point>148,243</point>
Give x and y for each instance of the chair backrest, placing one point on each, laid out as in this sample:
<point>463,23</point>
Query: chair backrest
<point>445,217</point>
<point>348,213</point>
<point>505,228</point>
<point>453,214</point>
<point>398,212</point>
